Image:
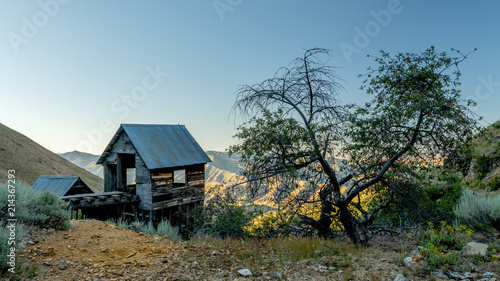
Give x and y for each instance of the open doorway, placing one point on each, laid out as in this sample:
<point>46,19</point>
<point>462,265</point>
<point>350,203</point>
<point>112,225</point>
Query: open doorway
<point>126,171</point>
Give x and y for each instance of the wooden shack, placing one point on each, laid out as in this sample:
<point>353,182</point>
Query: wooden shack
<point>83,200</point>
<point>162,164</point>
<point>61,185</point>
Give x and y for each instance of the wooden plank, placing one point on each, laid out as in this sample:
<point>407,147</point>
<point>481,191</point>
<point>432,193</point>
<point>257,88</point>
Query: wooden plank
<point>197,183</point>
<point>96,203</point>
<point>176,202</point>
<point>166,176</point>
<point>178,190</point>
<point>92,194</point>
<point>162,183</point>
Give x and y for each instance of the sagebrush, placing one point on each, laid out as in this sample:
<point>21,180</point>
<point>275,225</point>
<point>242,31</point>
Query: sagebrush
<point>479,211</point>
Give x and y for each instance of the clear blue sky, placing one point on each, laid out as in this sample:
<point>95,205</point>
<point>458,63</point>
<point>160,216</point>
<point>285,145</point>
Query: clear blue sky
<point>72,71</point>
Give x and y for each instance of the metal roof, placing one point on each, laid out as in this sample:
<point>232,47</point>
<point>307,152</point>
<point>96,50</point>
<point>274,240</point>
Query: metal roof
<point>58,185</point>
<point>161,146</point>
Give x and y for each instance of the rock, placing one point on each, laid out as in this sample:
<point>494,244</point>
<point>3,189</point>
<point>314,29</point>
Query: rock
<point>439,275</point>
<point>245,272</point>
<point>473,248</point>
<point>472,267</point>
<point>488,275</point>
<point>468,275</point>
<point>276,275</point>
<point>399,277</point>
<point>50,251</point>
<point>318,253</point>
<point>143,263</point>
<point>415,260</point>
<point>418,250</point>
<point>455,275</point>
<point>46,263</point>
<point>63,265</point>
<point>322,268</point>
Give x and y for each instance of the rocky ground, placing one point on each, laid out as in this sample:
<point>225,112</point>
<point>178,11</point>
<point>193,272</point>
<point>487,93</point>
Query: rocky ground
<point>96,250</point>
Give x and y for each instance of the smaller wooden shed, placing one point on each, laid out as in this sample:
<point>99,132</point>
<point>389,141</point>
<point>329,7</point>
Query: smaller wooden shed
<point>61,185</point>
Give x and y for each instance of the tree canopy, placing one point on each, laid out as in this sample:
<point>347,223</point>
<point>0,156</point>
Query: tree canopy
<point>300,132</point>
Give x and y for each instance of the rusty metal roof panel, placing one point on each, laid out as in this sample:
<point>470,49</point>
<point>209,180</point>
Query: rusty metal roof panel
<point>163,146</point>
<point>57,185</point>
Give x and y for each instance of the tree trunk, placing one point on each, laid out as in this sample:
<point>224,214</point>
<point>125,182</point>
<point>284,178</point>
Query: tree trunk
<point>349,224</point>
<point>325,218</point>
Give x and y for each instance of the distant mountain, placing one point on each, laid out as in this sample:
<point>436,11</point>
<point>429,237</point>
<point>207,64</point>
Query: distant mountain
<point>84,160</point>
<point>31,160</point>
<point>222,169</point>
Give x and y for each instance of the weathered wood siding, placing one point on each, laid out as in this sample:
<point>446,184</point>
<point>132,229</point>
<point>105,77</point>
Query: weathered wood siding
<point>166,194</point>
<point>142,178</point>
<point>156,188</point>
<point>162,180</point>
<point>143,184</point>
<point>109,177</point>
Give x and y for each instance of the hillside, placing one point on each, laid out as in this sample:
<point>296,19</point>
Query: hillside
<point>31,160</point>
<point>485,164</point>
<point>222,169</point>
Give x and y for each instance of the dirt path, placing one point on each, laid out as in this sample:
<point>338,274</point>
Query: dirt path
<point>96,250</point>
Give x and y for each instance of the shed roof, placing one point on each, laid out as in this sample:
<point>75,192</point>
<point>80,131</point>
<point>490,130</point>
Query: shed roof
<point>161,146</point>
<point>58,185</point>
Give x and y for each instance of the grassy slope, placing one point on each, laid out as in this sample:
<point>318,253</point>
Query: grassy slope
<point>487,145</point>
<point>31,160</point>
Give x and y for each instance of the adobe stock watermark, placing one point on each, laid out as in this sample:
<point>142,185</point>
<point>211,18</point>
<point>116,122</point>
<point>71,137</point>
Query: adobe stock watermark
<point>31,25</point>
<point>122,106</point>
<point>485,88</point>
<point>363,36</point>
<point>223,6</point>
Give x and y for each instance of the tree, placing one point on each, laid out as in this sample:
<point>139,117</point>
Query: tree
<point>299,129</point>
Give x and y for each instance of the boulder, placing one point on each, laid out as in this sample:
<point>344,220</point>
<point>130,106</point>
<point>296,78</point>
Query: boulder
<point>473,248</point>
<point>415,259</point>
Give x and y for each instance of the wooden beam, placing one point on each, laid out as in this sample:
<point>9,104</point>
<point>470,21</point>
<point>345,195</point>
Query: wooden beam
<point>176,202</point>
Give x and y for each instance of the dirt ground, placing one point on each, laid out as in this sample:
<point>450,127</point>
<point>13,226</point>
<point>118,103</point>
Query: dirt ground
<point>96,250</point>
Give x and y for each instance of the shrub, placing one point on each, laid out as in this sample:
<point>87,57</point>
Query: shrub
<point>48,210</point>
<point>479,211</point>
<point>444,237</point>
<point>494,183</point>
<point>430,196</point>
<point>274,224</point>
<point>163,228</point>
<point>223,217</point>
<point>36,208</point>
<point>5,234</point>
<point>439,240</point>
